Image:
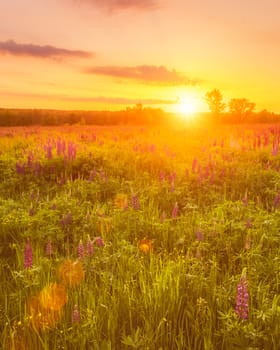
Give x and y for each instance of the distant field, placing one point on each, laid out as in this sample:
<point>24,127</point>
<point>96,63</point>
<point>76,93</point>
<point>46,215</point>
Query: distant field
<point>140,238</point>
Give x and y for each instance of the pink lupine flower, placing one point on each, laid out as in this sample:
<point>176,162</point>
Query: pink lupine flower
<point>162,217</point>
<point>199,235</point>
<point>49,249</point>
<point>28,255</point>
<point>89,247</point>
<point>81,250</point>
<point>242,299</point>
<point>99,241</point>
<point>76,316</point>
<point>175,211</point>
<point>135,202</point>
<point>194,165</point>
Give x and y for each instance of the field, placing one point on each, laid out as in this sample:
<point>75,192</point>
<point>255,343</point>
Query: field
<point>140,238</point>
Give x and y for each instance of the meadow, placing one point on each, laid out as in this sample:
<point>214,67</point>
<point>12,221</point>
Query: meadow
<point>140,238</point>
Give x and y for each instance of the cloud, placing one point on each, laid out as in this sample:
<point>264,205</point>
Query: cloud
<point>13,48</point>
<point>94,99</point>
<point>118,5</point>
<point>148,74</point>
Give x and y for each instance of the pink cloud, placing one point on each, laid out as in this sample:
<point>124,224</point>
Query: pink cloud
<point>94,99</point>
<point>159,75</point>
<point>116,5</point>
<point>47,51</point>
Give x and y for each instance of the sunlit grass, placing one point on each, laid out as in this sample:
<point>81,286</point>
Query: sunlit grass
<point>139,238</point>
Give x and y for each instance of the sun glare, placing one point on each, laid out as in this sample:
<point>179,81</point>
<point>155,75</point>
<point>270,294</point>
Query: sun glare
<point>187,107</point>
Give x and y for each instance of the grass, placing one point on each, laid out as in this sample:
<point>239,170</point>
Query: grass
<point>179,291</point>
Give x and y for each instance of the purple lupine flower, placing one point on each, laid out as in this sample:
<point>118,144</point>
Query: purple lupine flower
<point>31,211</point>
<point>277,200</point>
<point>72,151</point>
<point>66,220</point>
<point>76,316</point>
<point>194,165</point>
<point>48,149</point>
<point>172,177</point>
<point>245,201</point>
<point>30,159</point>
<point>199,235</point>
<point>20,169</point>
<point>28,255</point>
<point>92,175</point>
<point>175,211</point>
<point>162,217</point>
<point>242,299</point>
<point>99,241</point>
<point>161,176</point>
<point>49,249</point>
<point>135,202</point>
<point>248,223</point>
<point>275,149</point>
<point>81,250</point>
<point>89,247</point>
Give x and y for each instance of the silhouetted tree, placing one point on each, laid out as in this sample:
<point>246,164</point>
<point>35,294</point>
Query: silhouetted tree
<point>241,107</point>
<point>215,102</point>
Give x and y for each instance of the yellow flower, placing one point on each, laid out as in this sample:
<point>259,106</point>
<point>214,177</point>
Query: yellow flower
<point>145,245</point>
<point>71,273</point>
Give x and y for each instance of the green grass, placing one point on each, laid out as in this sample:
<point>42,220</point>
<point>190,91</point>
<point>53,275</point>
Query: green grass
<point>179,295</point>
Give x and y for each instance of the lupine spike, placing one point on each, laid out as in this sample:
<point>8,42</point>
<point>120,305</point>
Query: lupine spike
<point>76,316</point>
<point>81,250</point>
<point>99,241</point>
<point>242,298</point>
<point>175,211</point>
<point>28,255</point>
<point>49,249</point>
<point>89,247</point>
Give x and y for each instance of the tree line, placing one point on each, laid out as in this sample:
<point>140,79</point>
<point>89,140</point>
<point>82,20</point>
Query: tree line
<point>238,109</point>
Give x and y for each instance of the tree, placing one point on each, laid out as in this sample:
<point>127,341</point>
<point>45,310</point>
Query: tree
<point>214,100</point>
<point>241,107</point>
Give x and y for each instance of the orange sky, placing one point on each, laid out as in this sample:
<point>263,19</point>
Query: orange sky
<point>110,54</point>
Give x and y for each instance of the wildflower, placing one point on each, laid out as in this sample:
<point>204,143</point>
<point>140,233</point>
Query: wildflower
<point>175,211</point>
<point>161,176</point>
<point>99,241</point>
<point>199,235</point>
<point>145,245</point>
<point>135,202</point>
<point>66,220</point>
<point>277,200</point>
<point>31,211</point>
<point>28,255</point>
<point>248,223</point>
<point>49,248</point>
<point>76,316</point>
<point>194,165</point>
<point>81,250</point>
<point>162,217</point>
<point>89,247</point>
<point>48,149</point>
<point>71,273</point>
<point>242,298</point>
<point>20,169</point>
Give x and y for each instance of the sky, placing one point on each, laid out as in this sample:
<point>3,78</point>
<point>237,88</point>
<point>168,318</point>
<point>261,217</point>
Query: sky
<point>113,54</point>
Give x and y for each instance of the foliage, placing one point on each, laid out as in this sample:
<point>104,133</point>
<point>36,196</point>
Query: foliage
<point>140,238</point>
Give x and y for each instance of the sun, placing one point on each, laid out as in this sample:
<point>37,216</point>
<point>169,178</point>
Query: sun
<point>187,107</point>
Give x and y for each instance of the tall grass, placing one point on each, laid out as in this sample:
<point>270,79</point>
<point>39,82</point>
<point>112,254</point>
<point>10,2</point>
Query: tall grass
<point>178,236</point>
